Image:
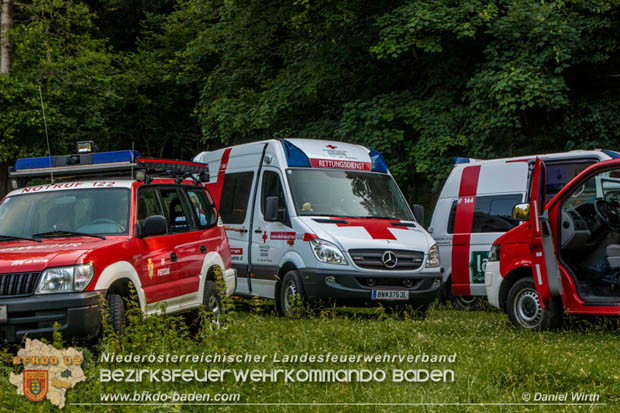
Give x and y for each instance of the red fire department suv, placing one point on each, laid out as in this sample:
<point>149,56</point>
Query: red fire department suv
<point>566,258</point>
<point>99,222</point>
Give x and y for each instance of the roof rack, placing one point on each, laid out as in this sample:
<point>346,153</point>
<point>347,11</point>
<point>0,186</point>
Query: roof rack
<point>120,164</point>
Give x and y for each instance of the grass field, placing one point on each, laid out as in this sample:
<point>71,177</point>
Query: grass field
<point>494,362</point>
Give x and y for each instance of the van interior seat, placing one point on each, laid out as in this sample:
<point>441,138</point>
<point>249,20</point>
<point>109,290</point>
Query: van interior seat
<point>613,255</point>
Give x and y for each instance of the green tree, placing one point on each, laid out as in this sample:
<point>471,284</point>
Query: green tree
<point>54,50</point>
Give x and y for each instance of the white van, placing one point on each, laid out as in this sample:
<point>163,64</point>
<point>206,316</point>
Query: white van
<point>315,219</point>
<point>475,208</point>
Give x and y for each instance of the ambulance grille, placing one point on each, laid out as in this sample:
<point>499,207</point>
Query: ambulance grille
<point>22,283</point>
<point>372,259</point>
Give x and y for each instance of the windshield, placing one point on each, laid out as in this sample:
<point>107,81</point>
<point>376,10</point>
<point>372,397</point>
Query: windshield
<point>347,193</point>
<point>90,211</point>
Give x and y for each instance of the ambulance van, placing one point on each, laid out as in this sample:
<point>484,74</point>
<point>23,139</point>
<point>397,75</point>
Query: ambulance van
<point>315,219</point>
<point>475,208</point>
<point>565,259</point>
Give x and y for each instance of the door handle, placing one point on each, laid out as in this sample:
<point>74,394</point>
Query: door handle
<point>240,230</point>
<point>258,231</point>
<point>203,249</point>
<point>173,256</point>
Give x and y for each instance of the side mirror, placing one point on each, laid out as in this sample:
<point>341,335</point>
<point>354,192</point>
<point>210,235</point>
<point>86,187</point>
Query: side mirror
<point>271,209</point>
<point>154,225</point>
<point>521,212</point>
<point>418,213</point>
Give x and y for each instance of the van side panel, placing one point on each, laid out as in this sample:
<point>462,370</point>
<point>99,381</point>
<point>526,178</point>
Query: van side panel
<point>462,230</point>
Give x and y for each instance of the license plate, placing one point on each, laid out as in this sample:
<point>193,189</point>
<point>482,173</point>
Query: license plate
<point>3,314</point>
<point>390,294</point>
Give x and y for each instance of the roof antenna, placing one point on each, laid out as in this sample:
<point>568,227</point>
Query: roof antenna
<point>47,138</point>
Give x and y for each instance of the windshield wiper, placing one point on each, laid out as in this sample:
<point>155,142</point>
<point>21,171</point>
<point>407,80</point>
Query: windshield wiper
<point>8,237</point>
<point>60,233</point>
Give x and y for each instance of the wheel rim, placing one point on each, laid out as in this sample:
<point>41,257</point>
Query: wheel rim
<point>290,296</point>
<point>527,308</point>
<point>214,305</point>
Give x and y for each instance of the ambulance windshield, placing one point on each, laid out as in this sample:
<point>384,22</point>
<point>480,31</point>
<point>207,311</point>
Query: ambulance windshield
<point>56,213</point>
<point>335,192</point>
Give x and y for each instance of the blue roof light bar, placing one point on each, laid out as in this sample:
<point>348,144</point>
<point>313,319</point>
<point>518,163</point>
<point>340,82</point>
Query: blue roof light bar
<point>378,163</point>
<point>295,157</point>
<point>97,158</point>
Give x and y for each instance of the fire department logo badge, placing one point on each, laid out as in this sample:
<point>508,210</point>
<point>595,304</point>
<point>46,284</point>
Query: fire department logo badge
<point>35,384</point>
<point>47,372</point>
<point>150,267</point>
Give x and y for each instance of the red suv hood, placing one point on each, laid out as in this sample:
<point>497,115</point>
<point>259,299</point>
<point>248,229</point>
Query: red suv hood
<point>27,256</point>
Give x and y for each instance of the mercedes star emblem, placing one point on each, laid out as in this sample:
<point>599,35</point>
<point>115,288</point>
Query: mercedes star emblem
<point>389,259</point>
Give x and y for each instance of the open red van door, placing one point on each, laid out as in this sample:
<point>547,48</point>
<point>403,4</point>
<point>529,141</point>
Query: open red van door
<point>546,270</point>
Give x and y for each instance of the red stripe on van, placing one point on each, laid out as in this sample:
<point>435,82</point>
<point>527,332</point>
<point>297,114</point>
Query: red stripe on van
<point>376,228</point>
<point>462,230</point>
<point>220,175</point>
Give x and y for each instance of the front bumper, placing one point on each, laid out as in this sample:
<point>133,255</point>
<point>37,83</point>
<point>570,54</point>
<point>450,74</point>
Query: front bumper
<point>352,287</point>
<point>493,280</point>
<point>78,315</point>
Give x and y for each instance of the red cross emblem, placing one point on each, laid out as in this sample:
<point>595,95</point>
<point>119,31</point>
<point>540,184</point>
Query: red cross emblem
<point>376,228</point>
<point>331,146</point>
<point>264,237</point>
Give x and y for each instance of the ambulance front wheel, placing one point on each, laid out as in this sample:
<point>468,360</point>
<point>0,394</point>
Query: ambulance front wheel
<point>292,295</point>
<point>524,309</point>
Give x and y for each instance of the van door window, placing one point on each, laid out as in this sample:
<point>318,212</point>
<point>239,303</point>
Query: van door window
<point>559,174</point>
<point>235,195</point>
<point>204,213</point>
<point>178,212</point>
<point>272,186</point>
<point>491,213</point>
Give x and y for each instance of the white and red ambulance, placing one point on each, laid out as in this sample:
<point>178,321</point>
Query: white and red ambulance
<point>315,219</point>
<point>566,258</point>
<point>475,208</point>
<point>97,222</point>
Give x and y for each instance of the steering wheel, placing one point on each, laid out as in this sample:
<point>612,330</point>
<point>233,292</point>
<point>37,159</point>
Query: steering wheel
<point>108,221</point>
<point>607,212</point>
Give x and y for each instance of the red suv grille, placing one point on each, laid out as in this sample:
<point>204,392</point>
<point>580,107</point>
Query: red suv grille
<point>22,283</point>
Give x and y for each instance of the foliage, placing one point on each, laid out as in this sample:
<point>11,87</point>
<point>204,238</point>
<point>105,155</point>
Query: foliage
<point>422,81</point>
<point>54,50</point>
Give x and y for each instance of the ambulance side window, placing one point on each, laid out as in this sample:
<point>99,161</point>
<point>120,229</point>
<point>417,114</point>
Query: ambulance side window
<point>235,195</point>
<point>494,213</point>
<point>272,186</point>
<point>452,217</point>
<point>491,214</point>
